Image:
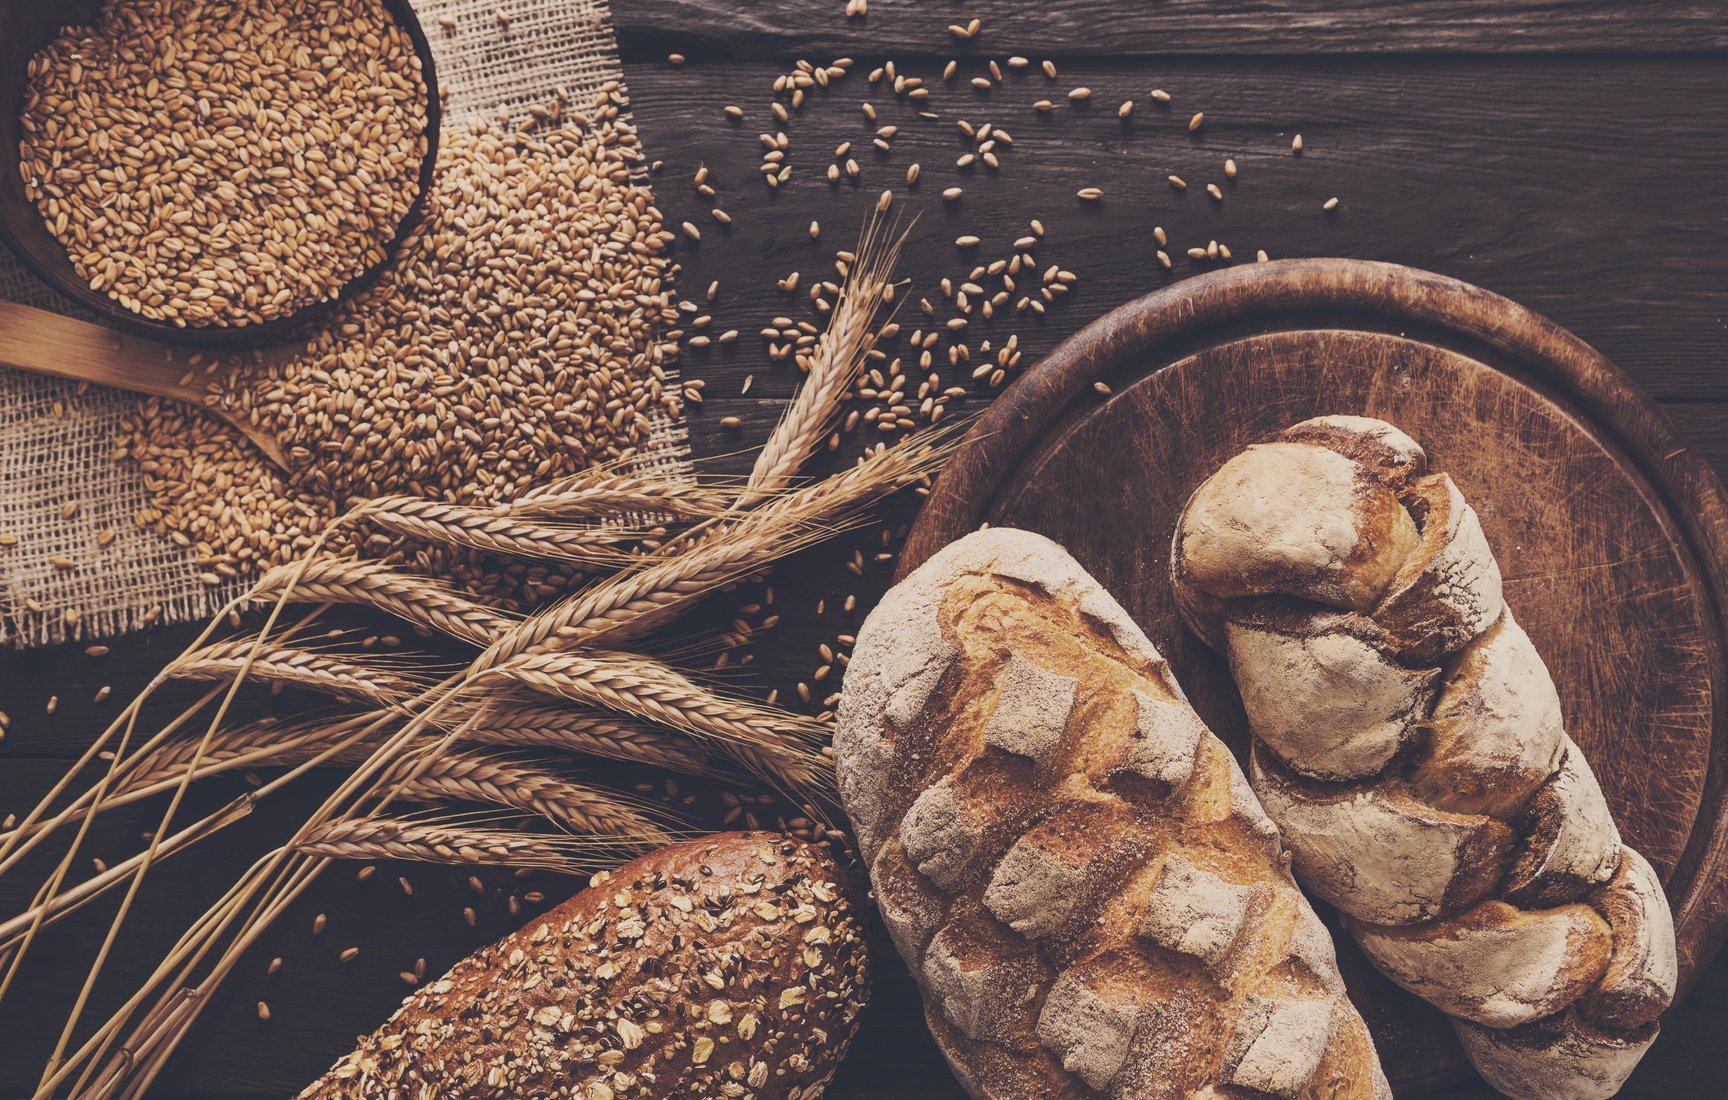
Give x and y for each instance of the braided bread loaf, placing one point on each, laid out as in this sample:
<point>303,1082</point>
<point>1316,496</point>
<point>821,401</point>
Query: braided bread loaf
<point>1409,743</point>
<point>1073,867</point>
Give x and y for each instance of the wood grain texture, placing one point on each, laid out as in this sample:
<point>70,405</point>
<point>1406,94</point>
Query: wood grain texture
<point>1612,534</point>
<point>1511,177</point>
<point>724,28</point>
<point>1589,188</point>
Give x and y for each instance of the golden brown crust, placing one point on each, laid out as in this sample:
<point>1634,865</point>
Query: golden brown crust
<point>1091,898</point>
<point>731,962</point>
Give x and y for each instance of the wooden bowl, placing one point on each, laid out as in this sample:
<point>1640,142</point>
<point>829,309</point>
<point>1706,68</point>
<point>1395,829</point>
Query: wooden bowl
<point>1611,531</point>
<point>28,25</point>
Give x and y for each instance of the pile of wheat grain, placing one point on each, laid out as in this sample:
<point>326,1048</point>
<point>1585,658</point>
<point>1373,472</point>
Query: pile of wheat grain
<point>223,162</point>
<point>521,334</point>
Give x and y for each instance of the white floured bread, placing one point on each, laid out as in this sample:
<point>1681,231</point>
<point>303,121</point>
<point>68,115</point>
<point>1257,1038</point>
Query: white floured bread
<point>1409,743</point>
<point>1317,687</point>
<point>1322,522</point>
<point>1398,859</point>
<point>1493,964</point>
<point>1601,1037</point>
<point>1076,871</point>
<point>1494,735</point>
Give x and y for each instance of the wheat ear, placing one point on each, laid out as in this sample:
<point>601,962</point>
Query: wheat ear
<point>429,842</point>
<point>477,777</point>
<point>414,599</point>
<point>295,667</point>
<point>773,742</point>
<point>833,366</point>
<point>490,531</point>
<point>255,744</point>
<point>567,729</point>
<point>609,494</point>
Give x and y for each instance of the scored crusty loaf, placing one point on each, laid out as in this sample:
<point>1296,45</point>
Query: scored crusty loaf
<point>729,966</point>
<point>1074,868</point>
<point>1409,743</point>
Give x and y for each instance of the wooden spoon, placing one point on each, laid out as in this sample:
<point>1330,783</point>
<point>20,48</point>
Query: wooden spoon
<point>48,343</point>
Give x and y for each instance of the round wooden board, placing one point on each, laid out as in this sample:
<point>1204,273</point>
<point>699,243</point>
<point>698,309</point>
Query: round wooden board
<point>1611,532</point>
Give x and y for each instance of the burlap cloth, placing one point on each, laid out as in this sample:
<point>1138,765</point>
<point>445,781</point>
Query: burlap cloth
<point>57,444</point>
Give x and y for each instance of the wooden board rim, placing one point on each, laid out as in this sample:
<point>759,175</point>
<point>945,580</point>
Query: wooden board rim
<point>1382,297</point>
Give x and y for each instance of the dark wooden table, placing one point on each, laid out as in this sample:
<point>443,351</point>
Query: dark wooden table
<point>1572,156</point>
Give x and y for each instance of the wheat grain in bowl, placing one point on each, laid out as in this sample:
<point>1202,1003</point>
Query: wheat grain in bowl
<point>225,162</point>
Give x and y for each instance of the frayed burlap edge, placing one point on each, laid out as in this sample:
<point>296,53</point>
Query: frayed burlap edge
<point>75,565</point>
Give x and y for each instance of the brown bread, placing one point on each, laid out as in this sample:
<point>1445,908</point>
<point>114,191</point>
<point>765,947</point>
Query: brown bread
<point>730,966</point>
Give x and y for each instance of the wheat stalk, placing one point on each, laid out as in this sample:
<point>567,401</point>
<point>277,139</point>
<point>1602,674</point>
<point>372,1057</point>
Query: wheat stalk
<point>414,599</point>
<point>611,494</point>
<point>833,366</point>
<point>477,777</point>
<point>568,730</point>
<point>773,742</point>
<point>490,531</point>
<point>428,842</point>
<point>636,600</point>
<point>295,667</point>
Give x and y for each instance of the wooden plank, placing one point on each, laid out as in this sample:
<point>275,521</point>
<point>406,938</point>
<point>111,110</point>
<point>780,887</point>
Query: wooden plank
<point>710,29</point>
<point>1589,189</point>
<point>1705,426</point>
<point>1511,177</point>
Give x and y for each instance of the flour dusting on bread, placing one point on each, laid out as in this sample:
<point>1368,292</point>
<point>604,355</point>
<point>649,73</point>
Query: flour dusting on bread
<point>1410,743</point>
<point>1088,891</point>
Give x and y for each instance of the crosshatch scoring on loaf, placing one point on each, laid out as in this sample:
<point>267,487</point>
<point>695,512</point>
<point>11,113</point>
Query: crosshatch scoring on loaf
<point>1071,864</point>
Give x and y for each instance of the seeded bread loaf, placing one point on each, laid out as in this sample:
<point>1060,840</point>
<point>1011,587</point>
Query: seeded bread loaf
<point>1409,743</point>
<point>731,966</point>
<point>1074,868</point>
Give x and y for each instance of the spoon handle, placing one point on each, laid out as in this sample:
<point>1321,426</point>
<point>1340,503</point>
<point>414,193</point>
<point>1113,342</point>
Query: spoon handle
<point>48,343</point>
